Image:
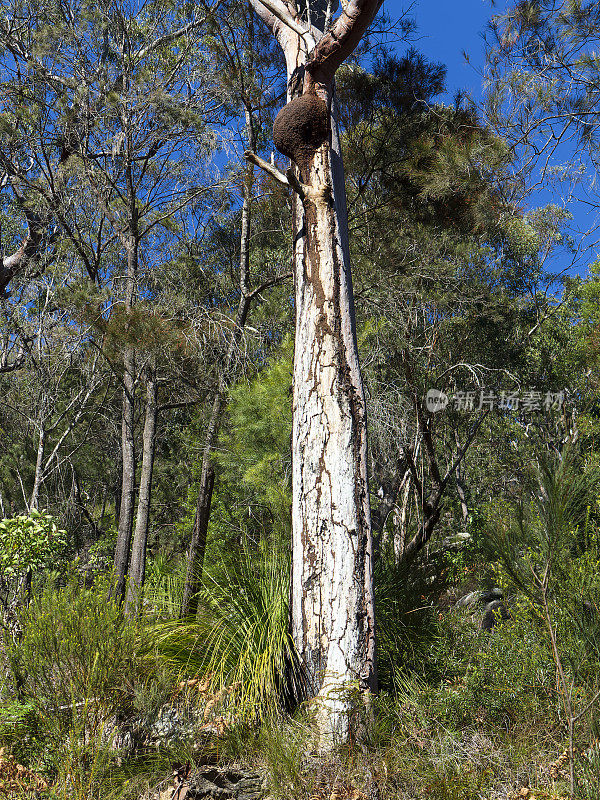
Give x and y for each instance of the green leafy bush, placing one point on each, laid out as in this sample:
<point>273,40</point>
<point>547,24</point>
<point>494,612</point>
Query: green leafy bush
<point>28,542</point>
<point>76,645</point>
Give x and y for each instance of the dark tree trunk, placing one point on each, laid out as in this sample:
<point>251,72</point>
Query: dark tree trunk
<point>137,569</point>
<point>197,549</point>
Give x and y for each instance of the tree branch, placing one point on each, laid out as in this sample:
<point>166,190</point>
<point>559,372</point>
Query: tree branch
<point>289,179</point>
<point>267,284</point>
<point>29,249</point>
<point>341,40</point>
<point>270,169</point>
<point>275,9</point>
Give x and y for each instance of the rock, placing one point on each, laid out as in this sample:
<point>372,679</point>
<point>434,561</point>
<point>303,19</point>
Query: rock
<point>483,597</point>
<point>492,613</point>
<point>456,539</point>
<point>215,783</point>
<point>171,726</point>
<point>494,606</point>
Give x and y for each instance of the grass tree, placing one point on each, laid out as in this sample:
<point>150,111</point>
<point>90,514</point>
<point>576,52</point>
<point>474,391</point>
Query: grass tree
<point>332,610</point>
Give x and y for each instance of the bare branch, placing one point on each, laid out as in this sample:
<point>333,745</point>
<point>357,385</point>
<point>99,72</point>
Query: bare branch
<point>29,250</point>
<point>279,10</point>
<point>268,168</point>
<point>289,179</point>
<point>271,10</point>
<point>267,284</point>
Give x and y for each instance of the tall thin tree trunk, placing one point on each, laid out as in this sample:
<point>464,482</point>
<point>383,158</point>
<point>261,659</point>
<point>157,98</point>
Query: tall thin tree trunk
<point>197,548</point>
<point>39,469</point>
<point>462,496</point>
<point>401,518</point>
<point>34,500</point>
<point>121,562</point>
<point>137,568</point>
<point>189,604</point>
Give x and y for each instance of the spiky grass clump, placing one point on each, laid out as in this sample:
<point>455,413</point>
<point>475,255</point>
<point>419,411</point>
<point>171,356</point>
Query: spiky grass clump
<point>163,588</point>
<point>240,641</point>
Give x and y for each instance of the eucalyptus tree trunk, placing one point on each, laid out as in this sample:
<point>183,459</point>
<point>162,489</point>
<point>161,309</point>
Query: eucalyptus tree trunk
<point>39,467</point>
<point>197,548</point>
<point>332,609</point>
<point>128,461</point>
<point>137,567</point>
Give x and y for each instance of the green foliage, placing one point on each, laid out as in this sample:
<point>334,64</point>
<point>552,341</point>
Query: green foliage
<point>77,665</point>
<point>16,720</point>
<point>101,552</point>
<point>255,451</point>
<point>544,543</point>
<point>29,542</point>
<point>281,748</point>
<point>406,627</point>
<point>241,638</point>
<point>545,548</point>
<point>163,588</point>
<point>76,647</point>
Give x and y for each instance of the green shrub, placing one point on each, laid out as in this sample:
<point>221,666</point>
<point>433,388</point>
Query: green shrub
<point>28,543</point>
<point>76,645</point>
<point>406,622</point>
<point>75,669</point>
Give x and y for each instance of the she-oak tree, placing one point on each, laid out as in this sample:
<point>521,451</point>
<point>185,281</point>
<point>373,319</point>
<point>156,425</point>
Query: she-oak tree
<point>332,609</point>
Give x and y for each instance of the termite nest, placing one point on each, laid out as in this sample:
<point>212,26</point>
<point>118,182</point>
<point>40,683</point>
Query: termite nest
<point>301,127</point>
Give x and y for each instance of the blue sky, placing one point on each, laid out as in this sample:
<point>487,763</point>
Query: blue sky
<point>444,30</point>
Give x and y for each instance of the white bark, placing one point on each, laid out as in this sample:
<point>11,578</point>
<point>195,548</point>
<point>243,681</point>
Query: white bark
<point>39,468</point>
<point>332,619</point>
<point>332,612</point>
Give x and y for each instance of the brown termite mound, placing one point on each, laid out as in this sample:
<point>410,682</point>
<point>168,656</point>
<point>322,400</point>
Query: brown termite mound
<point>301,127</point>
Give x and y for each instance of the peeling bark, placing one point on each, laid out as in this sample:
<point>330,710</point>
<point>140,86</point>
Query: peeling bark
<point>332,608</point>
